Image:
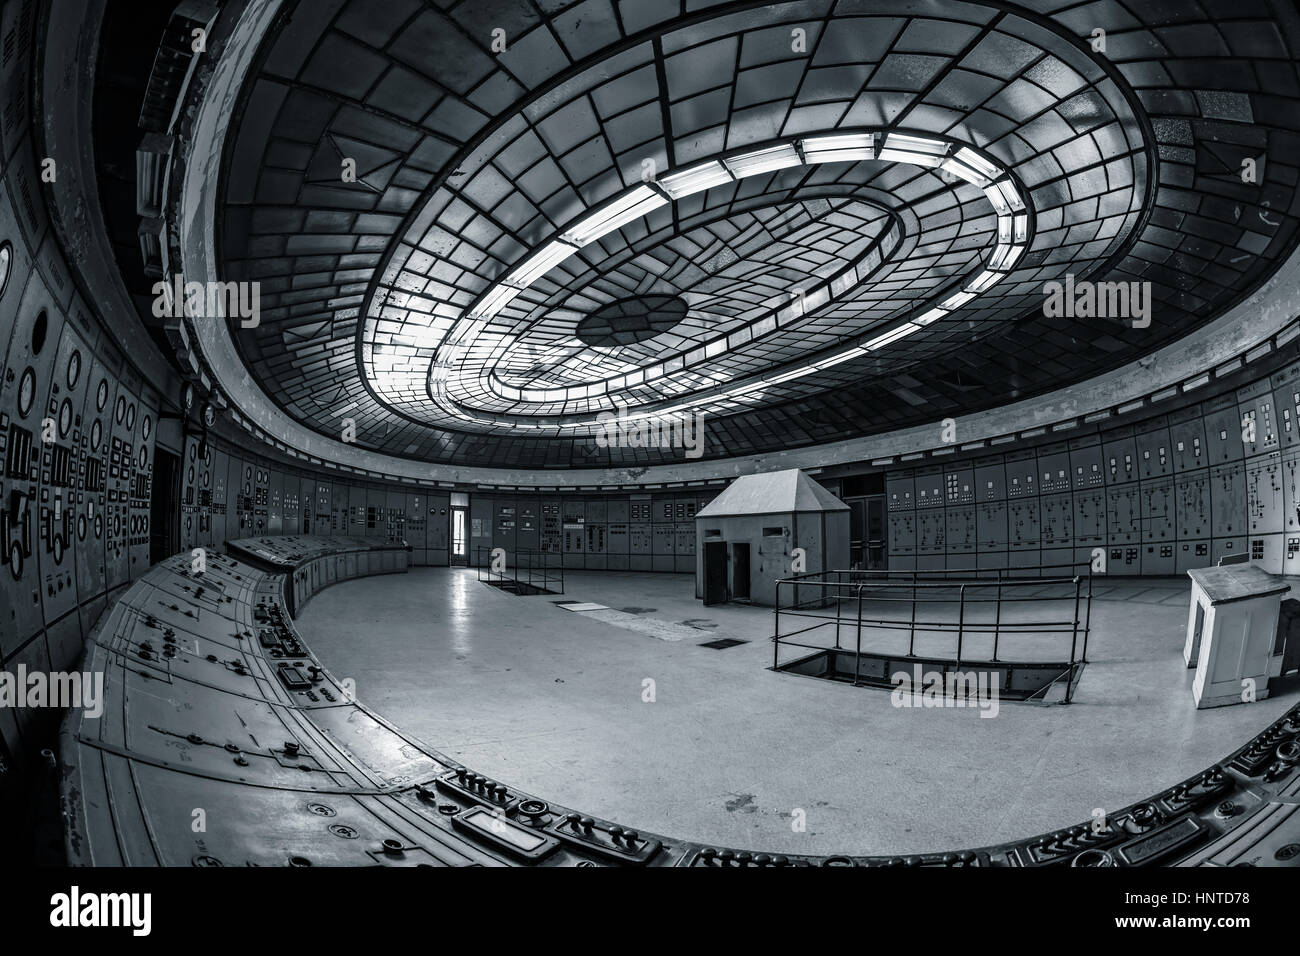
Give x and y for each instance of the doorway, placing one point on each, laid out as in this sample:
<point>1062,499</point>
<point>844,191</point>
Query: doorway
<point>459,536</point>
<point>868,537</point>
<point>715,572</point>
<point>165,506</point>
<point>740,572</point>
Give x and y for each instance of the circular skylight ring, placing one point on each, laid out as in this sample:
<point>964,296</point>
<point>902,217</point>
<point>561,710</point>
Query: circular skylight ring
<point>926,151</point>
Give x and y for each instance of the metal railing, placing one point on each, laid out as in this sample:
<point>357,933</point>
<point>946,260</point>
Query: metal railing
<point>946,608</point>
<point>526,571</point>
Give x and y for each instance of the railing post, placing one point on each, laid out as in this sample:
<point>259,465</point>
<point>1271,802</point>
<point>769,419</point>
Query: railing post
<point>997,617</point>
<point>776,635</point>
<point>1087,621</point>
<point>857,662</point>
<point>1074,638</point>
<point>911,626</point>
<point>838,609</point>
<point>961,621</point>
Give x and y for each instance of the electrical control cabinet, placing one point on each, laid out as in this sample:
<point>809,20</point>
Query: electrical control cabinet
<point>60,476</point>
<point>1123,515</point>
<point>1286,395</point>
<point>1119,458</point>
<point>929,488</point>
<point>1054,473</point>
<point>275,502</point>
<point>1022,524</point>
<point>900,494</point>
<point>1020,472</point>
<point>1157,514</point>
<point>1264,504</point>
<point>1090,517</point>
<point>1228,500</point>
<point>931,531</point>
<point>92,570</point>
<point>1187,446</point>
<point>1086,466</point>
<point>1154,452</point>
<point>960,529</point>
<point>1192,505</point>
<point>1223,431</point>
<point>1056,520</point>
<point>1258,415</point>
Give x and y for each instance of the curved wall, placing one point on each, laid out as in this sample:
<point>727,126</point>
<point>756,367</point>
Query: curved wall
<point>79,426</point>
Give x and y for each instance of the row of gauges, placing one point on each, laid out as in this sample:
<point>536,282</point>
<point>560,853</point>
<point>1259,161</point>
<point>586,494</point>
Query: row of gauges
<point>82,526</point>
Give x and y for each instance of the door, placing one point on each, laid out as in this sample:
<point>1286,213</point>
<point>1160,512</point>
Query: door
<point>740,572</point>
<point>165,507</point>
<point>459,536</point>
<point>715,572</point>
<point>877,540</point>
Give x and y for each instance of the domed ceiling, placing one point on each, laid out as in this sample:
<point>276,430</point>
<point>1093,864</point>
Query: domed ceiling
<point>484,229</point>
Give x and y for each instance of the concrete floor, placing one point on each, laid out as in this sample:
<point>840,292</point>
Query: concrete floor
<point>728,752</point>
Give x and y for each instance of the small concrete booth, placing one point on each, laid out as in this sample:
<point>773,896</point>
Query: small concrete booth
<point>745,538</point>
<point>1233,639</point>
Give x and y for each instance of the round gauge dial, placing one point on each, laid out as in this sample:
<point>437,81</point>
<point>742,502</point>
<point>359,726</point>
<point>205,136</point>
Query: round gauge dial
<point>81,527</point>
<point>119,412</point>
<point>189,475</point>
<point>99,526</point>
<point>26,391</point>
<point>192,449</point>
<point>96,433</point>
<point>144,456</point>
<point>6,264</point>
<point>74,368</point>
<point>16,560</point>
<point>65,418</point>
<point>209,415</point>
<point>205,479</point>
<point>130,416</point>
<point>58,550</point>
<point>146,427</point>
<point>101,396</point>
<point>187,397</point>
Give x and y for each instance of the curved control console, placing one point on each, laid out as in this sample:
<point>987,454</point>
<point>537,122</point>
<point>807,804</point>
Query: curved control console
<point>223,742</point>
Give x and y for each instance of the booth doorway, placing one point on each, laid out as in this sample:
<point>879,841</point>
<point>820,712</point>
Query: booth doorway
<point>740,572</point>
<point>459,537</point>
<point>715,572</point>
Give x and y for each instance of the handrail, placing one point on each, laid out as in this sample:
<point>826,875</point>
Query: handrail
<point>810,595</point>
<point>535,562</point>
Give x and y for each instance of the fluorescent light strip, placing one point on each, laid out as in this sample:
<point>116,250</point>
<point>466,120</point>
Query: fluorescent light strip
<point>695,179</point>
<point>962,171</point>
<point>763,161</point>
<point>880,341</point>
<point>540,263</point>
<point>957,300</point>
<point>983,281</point>
<point>852,147</point>
<point>495,301</point>
<point>633,205</point>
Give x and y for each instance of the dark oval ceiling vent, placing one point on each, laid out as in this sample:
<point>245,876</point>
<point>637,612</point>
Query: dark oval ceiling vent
<point>631,320</point>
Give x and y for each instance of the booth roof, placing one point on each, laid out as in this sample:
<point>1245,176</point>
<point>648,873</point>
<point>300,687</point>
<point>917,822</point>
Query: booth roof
<point>777,492</point>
